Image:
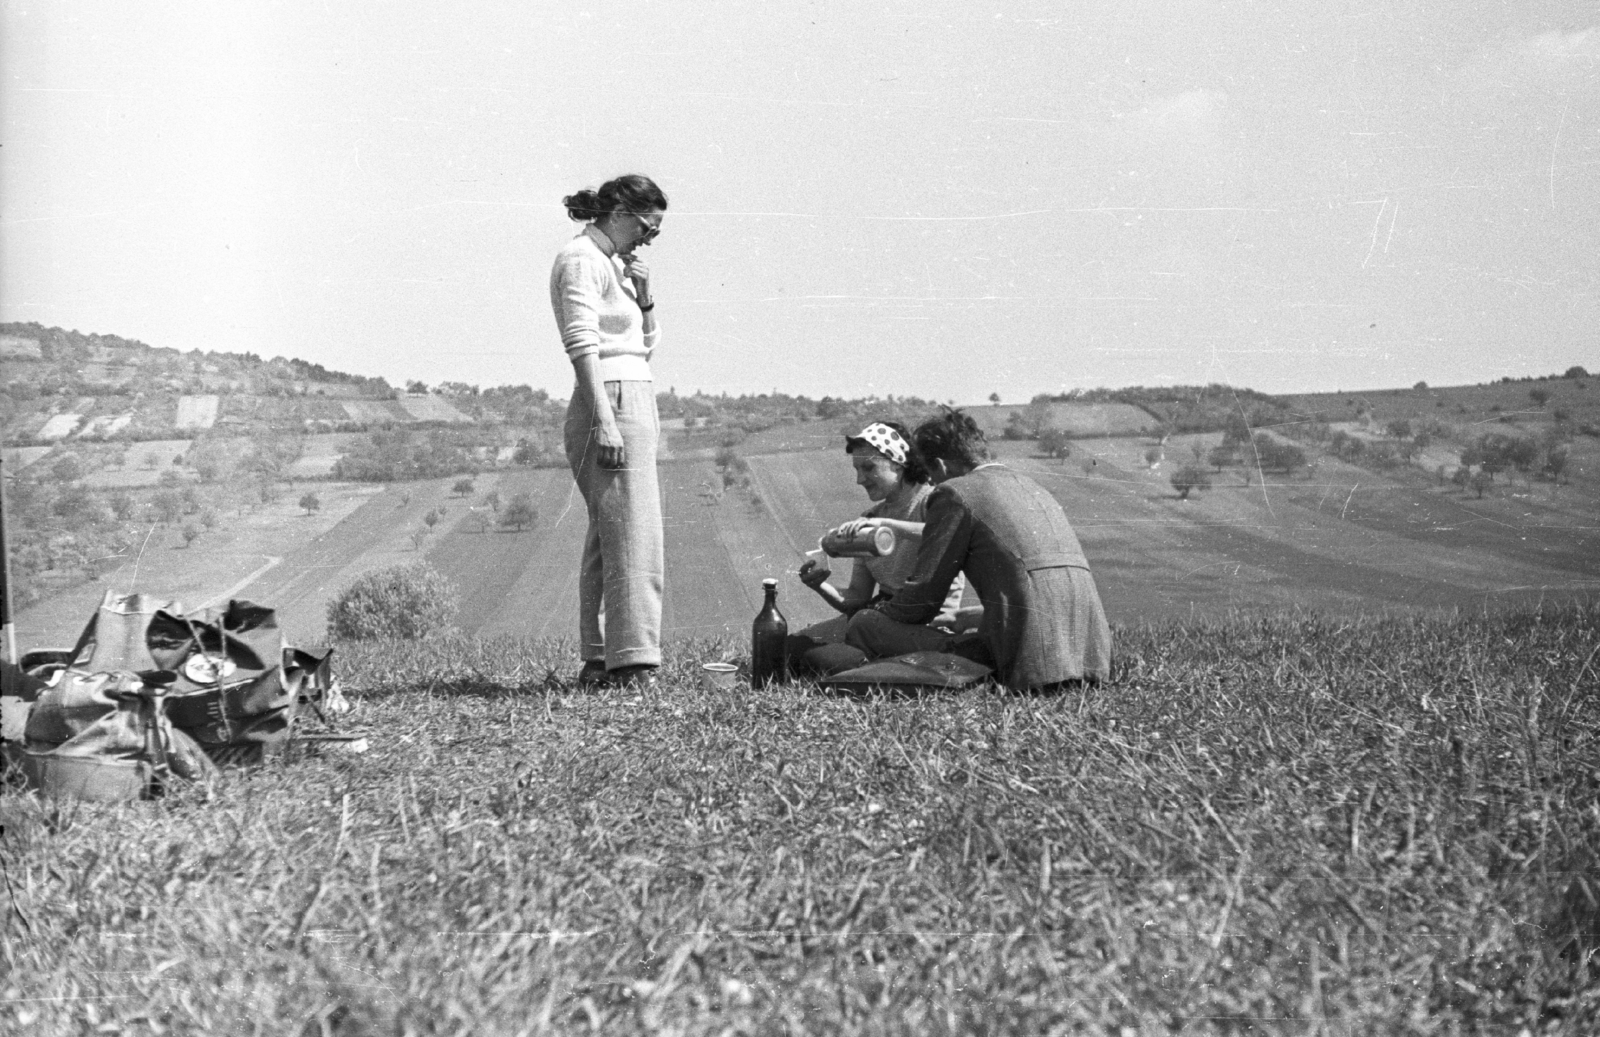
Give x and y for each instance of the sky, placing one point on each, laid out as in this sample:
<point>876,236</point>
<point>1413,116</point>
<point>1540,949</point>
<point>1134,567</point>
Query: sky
<point>933,198</point>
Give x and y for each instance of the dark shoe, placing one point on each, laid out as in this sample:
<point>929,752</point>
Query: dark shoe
<point>642,676</point>
<point>593,674</point>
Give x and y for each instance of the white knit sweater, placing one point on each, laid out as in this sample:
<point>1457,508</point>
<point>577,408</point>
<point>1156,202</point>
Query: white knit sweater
<point>596,311</point>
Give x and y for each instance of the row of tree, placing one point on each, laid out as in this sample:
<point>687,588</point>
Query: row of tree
<point>1494,453</point>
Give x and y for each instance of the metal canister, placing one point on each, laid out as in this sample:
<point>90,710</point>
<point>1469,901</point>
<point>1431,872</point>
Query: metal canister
<point>870,542</point>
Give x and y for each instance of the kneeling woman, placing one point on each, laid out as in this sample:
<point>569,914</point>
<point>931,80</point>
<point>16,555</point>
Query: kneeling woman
<point>889,469</point>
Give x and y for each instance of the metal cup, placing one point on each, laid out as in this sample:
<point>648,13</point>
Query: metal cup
<point>719,676</point>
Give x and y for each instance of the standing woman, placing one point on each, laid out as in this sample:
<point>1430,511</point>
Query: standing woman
<point>600,291</point>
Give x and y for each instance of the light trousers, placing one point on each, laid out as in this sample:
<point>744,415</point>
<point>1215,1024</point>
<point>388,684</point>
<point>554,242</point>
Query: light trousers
<point>620,576</point>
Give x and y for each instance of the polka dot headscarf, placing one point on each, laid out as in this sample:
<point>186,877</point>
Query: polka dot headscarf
<point>883,439</point>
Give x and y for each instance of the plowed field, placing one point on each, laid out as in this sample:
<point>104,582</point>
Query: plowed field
<point>1340,540</point>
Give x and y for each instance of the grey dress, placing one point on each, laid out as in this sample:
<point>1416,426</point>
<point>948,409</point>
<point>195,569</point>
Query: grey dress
<point>1042,618</point>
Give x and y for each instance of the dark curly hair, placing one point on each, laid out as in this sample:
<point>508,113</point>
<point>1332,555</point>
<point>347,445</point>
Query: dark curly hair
<point>630,193</point>
<point>915,468</point>
<point>952,436</point>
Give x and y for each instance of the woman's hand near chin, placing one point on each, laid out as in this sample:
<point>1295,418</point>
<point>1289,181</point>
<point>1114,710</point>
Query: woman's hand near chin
<point>638,271</point>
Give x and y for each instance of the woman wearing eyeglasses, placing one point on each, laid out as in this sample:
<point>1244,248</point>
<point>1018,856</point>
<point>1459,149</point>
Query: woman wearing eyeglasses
<point>600,291</point>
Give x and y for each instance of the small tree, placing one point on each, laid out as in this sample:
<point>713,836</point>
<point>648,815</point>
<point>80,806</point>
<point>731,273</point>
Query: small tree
<point>520,512</point>
<point>1539,397</point>
<point>1152,457</point>
<point>406,601</point>
<point>311,502</point>
<point>1236,429</point>
<point>492,498</point>
<point>168,506</point>
<point>1054,443</point>
<point>190,534</point>
<point>994,399</point>
<point>67,468</point>
<point>208,518</point>
<point>462,488</point>
<point>75,504</point>
<point>1222,456</point>
<point>1190,478</point>
<point>1555,462</point>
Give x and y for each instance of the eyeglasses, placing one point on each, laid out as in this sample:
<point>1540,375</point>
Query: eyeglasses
<point>650,229</point>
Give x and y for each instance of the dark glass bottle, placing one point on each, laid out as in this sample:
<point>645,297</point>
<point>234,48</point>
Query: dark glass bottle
<point>767,636</point>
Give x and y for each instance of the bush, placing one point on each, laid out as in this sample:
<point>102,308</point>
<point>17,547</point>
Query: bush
<point>520,512</point>
<point>1190,478</point>
<point>403,601</point>
<point>1054,443</point>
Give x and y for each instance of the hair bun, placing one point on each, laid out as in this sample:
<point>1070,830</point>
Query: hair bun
<point>583,205</point>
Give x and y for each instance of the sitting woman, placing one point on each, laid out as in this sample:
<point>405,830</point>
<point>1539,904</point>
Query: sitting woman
<point>896,480</point>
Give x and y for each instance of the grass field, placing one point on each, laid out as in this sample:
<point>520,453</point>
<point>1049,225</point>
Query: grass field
<point>1290,825</point>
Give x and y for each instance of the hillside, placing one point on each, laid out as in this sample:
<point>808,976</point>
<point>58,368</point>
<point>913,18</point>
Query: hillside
<point>1340,539</point>
<point>190,471</point>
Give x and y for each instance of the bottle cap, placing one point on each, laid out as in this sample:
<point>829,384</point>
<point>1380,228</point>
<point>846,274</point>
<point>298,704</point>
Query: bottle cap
<point>769,582</point>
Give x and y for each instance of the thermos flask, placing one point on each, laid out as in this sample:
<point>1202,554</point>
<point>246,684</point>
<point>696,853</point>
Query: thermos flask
<point>871,542</point>
<point>767,636</point>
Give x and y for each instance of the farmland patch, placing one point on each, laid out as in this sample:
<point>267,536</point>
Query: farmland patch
<point>19,457</point>
<point>706,594</point>
<point>326,558</point>
<point>107,425</point>
<point>430,408</point>
<point>516,583</point>
<point>59,426</point>
<point>321,452</point>
<point>17,347</point>
<point>196,412</point>
<point>375,411</point>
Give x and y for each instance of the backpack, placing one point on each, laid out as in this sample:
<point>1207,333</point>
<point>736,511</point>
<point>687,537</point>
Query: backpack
<point>151,694</point>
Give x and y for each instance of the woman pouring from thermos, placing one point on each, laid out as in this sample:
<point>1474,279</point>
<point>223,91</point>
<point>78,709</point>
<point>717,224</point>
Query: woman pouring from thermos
<point>883,542</point>
<point>600,292</point>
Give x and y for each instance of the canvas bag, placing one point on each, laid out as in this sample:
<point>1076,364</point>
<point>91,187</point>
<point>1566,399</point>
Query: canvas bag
<point>229,684</point>
<point>105,736</point>
<point>238,685</point>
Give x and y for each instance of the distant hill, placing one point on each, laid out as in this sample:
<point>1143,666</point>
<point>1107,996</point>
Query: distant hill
<point>60,385</point>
